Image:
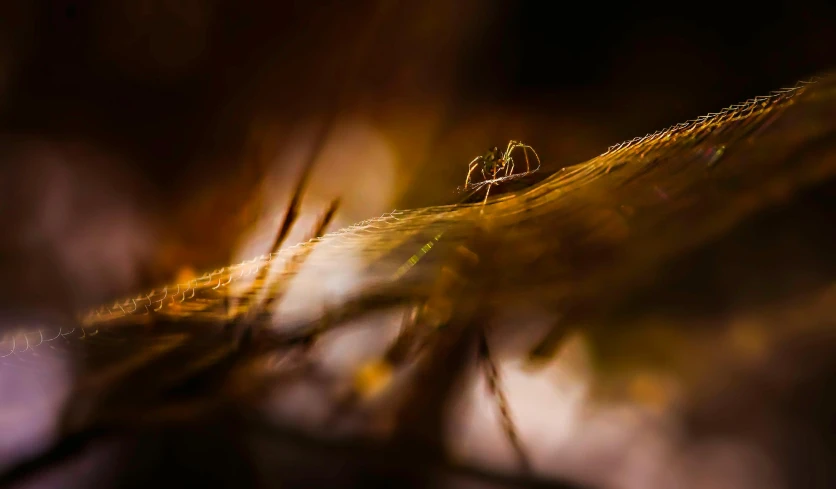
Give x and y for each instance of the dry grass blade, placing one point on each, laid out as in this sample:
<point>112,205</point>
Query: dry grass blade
<point>609,246</point>
<point>495,386</point>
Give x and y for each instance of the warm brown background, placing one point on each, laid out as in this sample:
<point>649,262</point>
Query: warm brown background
<point>135,133</point>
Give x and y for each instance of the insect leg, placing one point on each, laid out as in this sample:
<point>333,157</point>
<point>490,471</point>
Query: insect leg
<point>510,149</point>
<point>487,192</point>
<point>473,165</point>
<point>525,148</point>
<point>527,164</point>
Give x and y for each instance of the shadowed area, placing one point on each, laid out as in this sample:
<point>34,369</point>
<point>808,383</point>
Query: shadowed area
<point>658,316</point>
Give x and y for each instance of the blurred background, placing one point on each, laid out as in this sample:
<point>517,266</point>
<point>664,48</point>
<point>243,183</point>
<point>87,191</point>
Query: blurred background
<point>139,137</point>
<point>142,141</point>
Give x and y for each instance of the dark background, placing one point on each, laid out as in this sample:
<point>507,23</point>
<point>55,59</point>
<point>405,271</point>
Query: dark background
<point>152,78</point>
<point>134,134</point>
<point>175,93</point>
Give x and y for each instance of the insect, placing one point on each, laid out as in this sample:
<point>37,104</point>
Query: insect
<point>493,163</point>
<point>424,325</point>
<point>497,167</point>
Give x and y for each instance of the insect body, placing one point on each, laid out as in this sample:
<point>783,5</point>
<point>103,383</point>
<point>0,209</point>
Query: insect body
<point>498,166</point>
<point>494,163</point>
